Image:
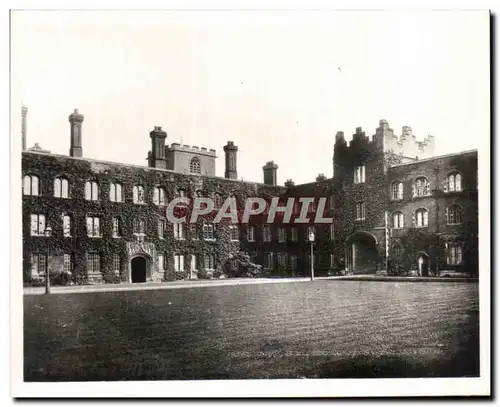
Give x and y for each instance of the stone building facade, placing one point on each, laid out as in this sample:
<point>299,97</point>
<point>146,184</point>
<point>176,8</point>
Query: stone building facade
<point>393,205</point>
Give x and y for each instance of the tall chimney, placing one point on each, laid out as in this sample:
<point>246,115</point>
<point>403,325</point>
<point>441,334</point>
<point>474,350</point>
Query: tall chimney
<point>76,120</point>
<point>231,168</point>
<point>24,126</point>
<point>270,173</point>
<point>157,157</point>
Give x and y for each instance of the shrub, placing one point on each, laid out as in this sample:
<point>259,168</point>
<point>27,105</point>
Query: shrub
<point>240,265</point>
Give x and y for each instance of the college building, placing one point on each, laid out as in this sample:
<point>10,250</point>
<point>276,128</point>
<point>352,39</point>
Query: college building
<point>395,207</point>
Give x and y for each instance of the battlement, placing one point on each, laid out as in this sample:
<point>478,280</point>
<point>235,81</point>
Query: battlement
<point>191,149</point>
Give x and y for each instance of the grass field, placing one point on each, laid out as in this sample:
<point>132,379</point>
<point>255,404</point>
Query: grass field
<point>321,329</point>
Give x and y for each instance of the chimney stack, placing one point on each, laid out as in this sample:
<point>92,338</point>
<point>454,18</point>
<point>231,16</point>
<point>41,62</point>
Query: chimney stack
<point>157,158</point>
<point>289,183</point>
<point>270,173</point>
<point>24,126</point>
<point>76,120</point>
<point>231,167</point>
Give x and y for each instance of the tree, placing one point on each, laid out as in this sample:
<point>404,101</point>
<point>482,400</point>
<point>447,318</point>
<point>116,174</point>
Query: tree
<point>240,265</point>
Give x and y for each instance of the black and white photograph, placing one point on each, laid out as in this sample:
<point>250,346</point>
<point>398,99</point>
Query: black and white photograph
<point>208,201</point>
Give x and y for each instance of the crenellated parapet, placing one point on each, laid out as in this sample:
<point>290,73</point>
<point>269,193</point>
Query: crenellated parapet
<point>191,149</point>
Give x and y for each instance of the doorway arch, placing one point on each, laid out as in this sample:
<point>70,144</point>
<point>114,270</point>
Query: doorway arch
<point>138,269</point>
<point>362,256</point>
<point>423,264</point>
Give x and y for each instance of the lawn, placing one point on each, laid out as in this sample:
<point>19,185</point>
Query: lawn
<point>321,329</point>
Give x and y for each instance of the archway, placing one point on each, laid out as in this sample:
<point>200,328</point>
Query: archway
<point>423,264</point>
<point>138,267</point>
<point>362,256</point>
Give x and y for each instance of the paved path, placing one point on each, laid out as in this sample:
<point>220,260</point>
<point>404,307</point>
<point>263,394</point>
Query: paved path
<point>225,282</point>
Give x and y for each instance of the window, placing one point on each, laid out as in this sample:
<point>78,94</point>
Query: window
<point>38,264</point>
<point>282,260</point>
<point>360,210</point>
<point>455,215</point>
<point>332,231</point>
<point>397,190</point>
<point>209,262</point>
<point>116,263</point>
<point>397,250</point>
<point>37,225</point>
<point>195,166</point>
<point>454,182</point>
<point>310,229</point>
<point>422,187</point>
<point>268,261</point>
<point>234,232</point>
<point>294,236</point>
<point>179,262</point>
<point>161,228</point>
<point>66,225</point>
<point>398,220</point>
<point>332,260</point>
<point>208,231</point>
<point>194,262</point>
<point>31,185</point>
<point>359,174</point>
<point>422,217</point>
<point>91,191</point>
<point>67,263</point>
<point>115,192</point>
<point>138,194</point>
<point>281,235</point>
<point>178,231</point>
<point>218,200</point>
<point>161,263</point>
<point>251,234</point>
<point>293,262</point>
<point>266,233</point>
<point>159,196</point>
<point>93,263</point>
<point>454,254</point>
<point>116,227</point>
<point>193,231</point>
<point>61,188</point>
<point>93,226</point>
<point>331,202</point>
<point>139,227</point>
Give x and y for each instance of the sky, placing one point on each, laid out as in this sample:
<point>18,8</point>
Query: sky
<point>278,84</point>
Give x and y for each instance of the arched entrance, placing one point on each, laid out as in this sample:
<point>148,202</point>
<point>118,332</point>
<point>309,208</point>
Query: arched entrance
<point>362,256</point>
<point>423,264</point>
<point>138,268</point>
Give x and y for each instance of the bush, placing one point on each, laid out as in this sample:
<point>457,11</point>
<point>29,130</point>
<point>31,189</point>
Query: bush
<point>111,278</point>
<point>240,265</point>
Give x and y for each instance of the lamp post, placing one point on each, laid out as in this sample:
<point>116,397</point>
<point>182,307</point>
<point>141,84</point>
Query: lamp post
<point>47,233</point>
<point>311,239</point>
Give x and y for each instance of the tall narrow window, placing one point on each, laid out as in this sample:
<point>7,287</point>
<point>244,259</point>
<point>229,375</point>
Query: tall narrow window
<point>454,182</point>
<point>67,263</point>
<point>268,261</point>
<point>397,220</point>
<point>234,233</point>
<point>359,174</point>
<point>116,263</point>
<point>66,225</point>
<point>282,260</point>
<point>93,226</point>
<point>161,228</point>
<point>178,231</point>
<point>209,262</point>
<point>138,194</point>
<point>31,185</point>
<point>193,231</point>
<point>218,201</point>
<point>115,192</point>
<point>194,262</point>
<point>208,231</point>
<point>61,188</point>
<point>195,166</point>
<point>360,210</point>
<point>422,217</point>
<point>294,235</point>
<point>93,263</point>
<point>281,235</point>
<point>332,231</point>
<point>421,187</point>
<point>454,215</point>
<point>37,225</point>
<point>161,263</point>
<point>38,264</point>
<point>266,233</point>
<point>293,262</point>
<point>454,254</point>
<point>397,190</point>
<point>250,234</point>
<point>91,191</point>
<point>139,227</point>
<point>159,196</point>
<point>116,227</point>
<point>179,262</point>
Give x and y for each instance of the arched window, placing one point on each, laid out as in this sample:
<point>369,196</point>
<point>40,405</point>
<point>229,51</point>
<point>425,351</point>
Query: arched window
<point>138,194</point>
<point>159,196</point>
<point>454,182</point>
<point>115,192</point>
<point>422,217</point>
<point>61,188</point>
<point>398,220</point>
<point>421,187</point>
<point>31,185</point>
<point>397,190</point>
<point>91,191</point>
<point>195,166</point>
<point>455,214</point>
